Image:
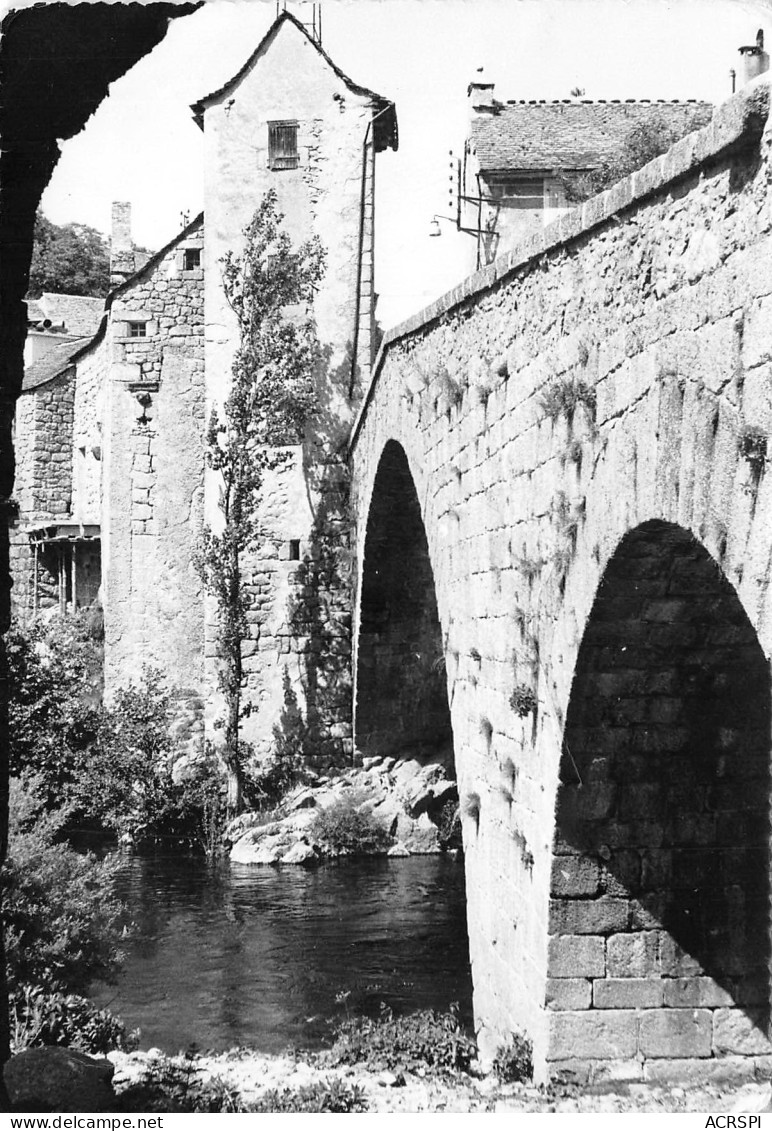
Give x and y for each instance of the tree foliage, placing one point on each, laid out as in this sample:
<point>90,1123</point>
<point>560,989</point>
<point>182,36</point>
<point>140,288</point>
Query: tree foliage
<point>71,259</point>
<point>269,286</point>
<point>62,924</point>
<point>105,766</point>
<point>641,144</point>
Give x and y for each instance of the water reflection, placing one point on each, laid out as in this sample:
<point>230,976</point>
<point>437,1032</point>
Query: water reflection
<point>256,955</point>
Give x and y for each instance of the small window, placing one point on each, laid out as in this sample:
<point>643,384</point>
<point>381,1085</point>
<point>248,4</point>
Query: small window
<point>282,145</point>
<point>294,550</point>
<point>191,259</point>
<point>137,329</point>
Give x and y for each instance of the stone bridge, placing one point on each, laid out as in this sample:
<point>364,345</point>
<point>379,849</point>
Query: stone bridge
<point>564,516</point>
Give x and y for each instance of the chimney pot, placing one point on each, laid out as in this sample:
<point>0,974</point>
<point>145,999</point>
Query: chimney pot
<point>480,91</point>
<point>755,58</point>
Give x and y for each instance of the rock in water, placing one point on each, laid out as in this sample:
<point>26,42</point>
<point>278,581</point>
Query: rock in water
<point>59,1079</point>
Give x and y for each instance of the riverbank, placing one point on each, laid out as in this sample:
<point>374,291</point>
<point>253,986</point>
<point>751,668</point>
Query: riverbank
<point>250,1075</point>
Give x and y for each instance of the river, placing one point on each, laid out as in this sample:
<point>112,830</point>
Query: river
<point>266,957</point>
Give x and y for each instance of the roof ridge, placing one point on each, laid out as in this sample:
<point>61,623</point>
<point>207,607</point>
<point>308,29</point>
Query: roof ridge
<point>606,102</point>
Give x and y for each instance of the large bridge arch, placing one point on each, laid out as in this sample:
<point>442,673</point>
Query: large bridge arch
<point>659,918</point>
<point>611,374</point>
<point>401,701</point>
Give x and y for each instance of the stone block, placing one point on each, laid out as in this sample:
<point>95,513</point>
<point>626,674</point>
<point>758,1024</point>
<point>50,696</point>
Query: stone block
<point>728,1070</point>
<point>676,1032</point>
<point>594,1034</point>
<point>569,993</point>
<point>588,916</point>
<point>627,993</point>
<point>573,956</point>
<point>575,876</point>
<point>674,961</point>
<point>740,1032</point>
<point>691,993</point>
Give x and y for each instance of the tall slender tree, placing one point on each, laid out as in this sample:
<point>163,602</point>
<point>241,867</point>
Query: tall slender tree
<point>270,288</point>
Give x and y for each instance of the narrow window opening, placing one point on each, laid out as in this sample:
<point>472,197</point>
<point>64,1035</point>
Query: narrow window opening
<point>191,260</point>
<point>294,550</point>
<point>282,145</point>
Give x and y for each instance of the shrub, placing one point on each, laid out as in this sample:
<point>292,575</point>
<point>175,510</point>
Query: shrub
<point>333,1095</point>
<point>523,700</point>
<point>423,1039</point>
<point>124,781</point>
<point>54,686</point>
<point>346,827</point>
<point>62,923</point>
<point>752,445</point>
<point>640,145</point>
<point>40,1018</point>
<point>514,1061</point>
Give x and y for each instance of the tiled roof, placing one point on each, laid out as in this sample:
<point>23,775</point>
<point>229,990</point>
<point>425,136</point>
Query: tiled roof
<point>570,135</point>
<point>52,363</point>
<point>385,127</point>
<point>81,315</point>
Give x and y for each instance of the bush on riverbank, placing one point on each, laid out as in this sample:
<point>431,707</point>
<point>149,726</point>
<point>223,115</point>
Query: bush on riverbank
<point>38,1017</point>
<point>344,827</point>
<point>111,767</point>
<point>423,1039</point>
<point>63,928</point>
<point>62,924</point>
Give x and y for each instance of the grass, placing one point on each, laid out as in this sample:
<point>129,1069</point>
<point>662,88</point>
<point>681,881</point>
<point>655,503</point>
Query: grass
<point>564,396</point>
<point>752,446</point>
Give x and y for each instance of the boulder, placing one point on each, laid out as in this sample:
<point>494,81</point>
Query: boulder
<point>300,853</point>
<point>59,1079</point>
<point>404,772</point>
<point>301,798</point>
<point>419,836</point>
<point>266,850</point>
<point>419,792</point>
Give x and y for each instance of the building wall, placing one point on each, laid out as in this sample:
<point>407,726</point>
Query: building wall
<point>586,425</point>
<point>302,502</point>
<point>88,413</point>
<point>43,484</point>
<point>153,465</point>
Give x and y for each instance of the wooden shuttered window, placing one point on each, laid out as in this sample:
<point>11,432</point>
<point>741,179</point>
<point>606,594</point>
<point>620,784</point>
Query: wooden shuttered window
<point>282,145</point>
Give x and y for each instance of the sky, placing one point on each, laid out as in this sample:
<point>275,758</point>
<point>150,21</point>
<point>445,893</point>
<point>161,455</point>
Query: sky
<point>143,146</point>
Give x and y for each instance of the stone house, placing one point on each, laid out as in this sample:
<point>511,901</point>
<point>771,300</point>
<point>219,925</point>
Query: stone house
<point>518,157</point>
<point>111,484</point>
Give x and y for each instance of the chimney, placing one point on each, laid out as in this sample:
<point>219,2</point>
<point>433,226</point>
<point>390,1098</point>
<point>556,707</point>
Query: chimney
<point>755,58</point>
<point>480,91</point>
<point>121,247</point>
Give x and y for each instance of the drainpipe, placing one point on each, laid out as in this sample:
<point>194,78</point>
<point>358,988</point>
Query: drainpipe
<point>360,252</point>
<point>479,220</point>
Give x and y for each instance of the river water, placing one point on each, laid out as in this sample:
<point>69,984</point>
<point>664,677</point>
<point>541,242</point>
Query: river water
<point>265,957</point>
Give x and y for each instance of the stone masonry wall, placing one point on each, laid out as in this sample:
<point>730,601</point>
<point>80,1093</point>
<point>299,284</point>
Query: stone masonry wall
<point>610,374</point>
<point>43,486</point>
<point>154,463</point>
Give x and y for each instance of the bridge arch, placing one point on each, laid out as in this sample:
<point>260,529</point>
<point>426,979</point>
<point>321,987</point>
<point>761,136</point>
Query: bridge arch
<point>401,687</point>
<point>659,925</point>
